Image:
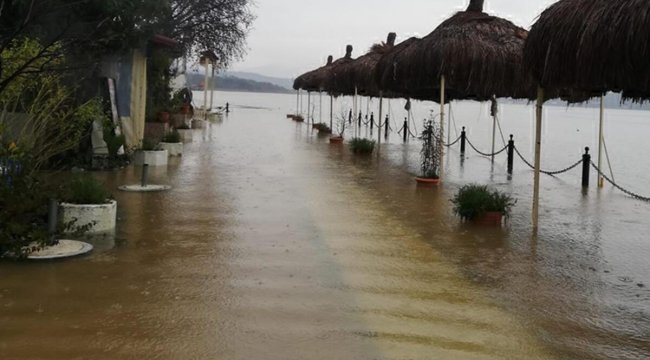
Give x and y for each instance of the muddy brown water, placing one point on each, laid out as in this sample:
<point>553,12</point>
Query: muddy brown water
<point>274,244</point>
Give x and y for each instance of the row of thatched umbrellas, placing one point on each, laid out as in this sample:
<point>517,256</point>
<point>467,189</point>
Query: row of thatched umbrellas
<point>577,49</point>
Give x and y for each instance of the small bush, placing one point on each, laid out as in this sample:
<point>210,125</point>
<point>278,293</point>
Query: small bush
<point>172,137</point>
<point>472,201</point>
<point>86,190</point>
<point>149,145</point>
<point>323,128</point>
<point>362,146</point>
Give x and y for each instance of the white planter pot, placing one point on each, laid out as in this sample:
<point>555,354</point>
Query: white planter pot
<point>151,158</point>
<point>174,149</point>
<point>186,135</point>
<point>102,217</point>
<point>198,124</point>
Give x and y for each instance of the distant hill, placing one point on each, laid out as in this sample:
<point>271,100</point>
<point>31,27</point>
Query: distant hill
<point>232,83</point>
<point>282,82</point>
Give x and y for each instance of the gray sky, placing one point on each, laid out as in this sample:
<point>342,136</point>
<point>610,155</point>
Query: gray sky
<point>293,36</point>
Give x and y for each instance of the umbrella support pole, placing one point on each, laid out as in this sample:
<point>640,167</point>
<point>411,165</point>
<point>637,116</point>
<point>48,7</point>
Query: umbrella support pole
<point>332,112</point>
<point>381,112</point>
<point>442,123</point>
<point>297,102</point>
<point>538,156</point>
<point>212,88</point>
<point>205,87</point>
<point>320,107</point>
<point>308,106</point>
<point>601,138</point>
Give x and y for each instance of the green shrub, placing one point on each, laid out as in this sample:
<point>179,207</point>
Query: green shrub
<point>86,190</point>
<point>149,145</point>
<point>172,137</point>
<point>362,146</point>
<point>323,128</point>
<point>472,201</point>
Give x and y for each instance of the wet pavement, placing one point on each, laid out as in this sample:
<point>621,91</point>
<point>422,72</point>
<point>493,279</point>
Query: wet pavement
<point>274,244</point>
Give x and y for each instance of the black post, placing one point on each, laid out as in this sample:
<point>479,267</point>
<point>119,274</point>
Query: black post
<point>386,127</point>
<point>511,154</point>
<point>350,118</point>
<point>227,108</point>
<point>145,173</point>
<point>586,165</point>
<point>463,139</point>
<point>405,129</point>
<point>372,121</point>
<point>360,117</point>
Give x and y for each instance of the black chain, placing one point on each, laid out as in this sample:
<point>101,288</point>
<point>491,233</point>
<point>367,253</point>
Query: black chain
<point>614,184</point>
<point>454,143</point>
<point>551,173</point>
<point>486,154</point>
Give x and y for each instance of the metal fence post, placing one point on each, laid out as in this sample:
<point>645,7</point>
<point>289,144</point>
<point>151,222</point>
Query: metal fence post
<point>511,154</point>
<point>405,129</point>
<point>586,166</point>
<point>372,121</point>
<point>463,139</point>
<point>145,174</point>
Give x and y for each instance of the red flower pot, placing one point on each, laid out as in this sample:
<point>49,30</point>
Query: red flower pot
<point>492,218</point>
<point>163,117</point>
<point>425,181</point>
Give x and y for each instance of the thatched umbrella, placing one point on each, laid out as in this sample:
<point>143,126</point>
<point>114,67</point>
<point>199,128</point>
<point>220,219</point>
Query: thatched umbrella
<point>590,46</point>
<point>471,55</point>
<point>312,80</point>
<point>389,70</point>
<point>360,73</point>
<point>334,83</point>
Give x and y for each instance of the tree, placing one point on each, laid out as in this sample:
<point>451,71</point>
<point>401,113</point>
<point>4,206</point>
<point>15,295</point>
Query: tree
<point>217,25</point>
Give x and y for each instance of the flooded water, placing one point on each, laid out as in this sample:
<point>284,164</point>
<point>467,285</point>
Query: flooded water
<point>274,244</point>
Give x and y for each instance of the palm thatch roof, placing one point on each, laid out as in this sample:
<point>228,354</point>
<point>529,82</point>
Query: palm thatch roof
<point>313,80</point>
<point>593,46</point>
<point>479,55</point>
<point>390,68</point>
<point>360,72</point>
<point>333,81</point>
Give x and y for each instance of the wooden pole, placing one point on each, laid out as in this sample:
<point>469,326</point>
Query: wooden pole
<point>212,80</point>
<point>601,138</point>
<point>320,107</point>
<point>308,106</point>
<point>538,156</point>
<point>442,123</point>
<point>449,125</point>
<point>298,102</point>
<point>332,112</point>
<point>206,86</point>
<point>381,103</point>
<point>355,112</point>
<point>493,111</point>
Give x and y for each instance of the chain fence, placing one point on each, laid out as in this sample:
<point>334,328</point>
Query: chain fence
<point>614,184</point>
<point>486,154</point>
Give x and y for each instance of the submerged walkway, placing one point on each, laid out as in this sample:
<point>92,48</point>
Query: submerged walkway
<point>272,245</point>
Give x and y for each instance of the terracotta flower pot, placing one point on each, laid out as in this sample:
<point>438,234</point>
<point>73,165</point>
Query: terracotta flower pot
<point>185,109</point>
<point>336,139</point>
<point>163,117</point>
<point>491,218</point>
<point>426,181</point>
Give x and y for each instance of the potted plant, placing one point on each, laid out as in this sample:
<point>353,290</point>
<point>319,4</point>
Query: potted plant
<point>362,146</point>
<point>323,129</point>
<point>172,143</point>
<point>88,206</point>
<point>340,129</point>
<point>151,154</point>
<point>479,204</point>
<point>298,118</point>
<point>185,132</point>
<point>429,156</point>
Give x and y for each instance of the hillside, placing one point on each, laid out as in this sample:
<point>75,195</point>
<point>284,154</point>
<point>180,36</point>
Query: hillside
<point>232,83</point>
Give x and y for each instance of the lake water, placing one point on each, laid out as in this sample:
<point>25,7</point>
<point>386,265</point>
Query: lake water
<point>274,244</point>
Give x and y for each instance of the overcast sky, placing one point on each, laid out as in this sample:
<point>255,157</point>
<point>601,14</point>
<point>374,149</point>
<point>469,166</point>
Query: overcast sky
<point>290,37</point>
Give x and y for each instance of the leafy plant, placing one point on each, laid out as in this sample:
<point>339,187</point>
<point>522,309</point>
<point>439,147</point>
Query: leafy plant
<point>430,153</point>
<point>85,189</point>
<point>149,145</point>
<point>472,201</point>
<point>322,128</point>
<point>362,146</point>
<point>172,137</point>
